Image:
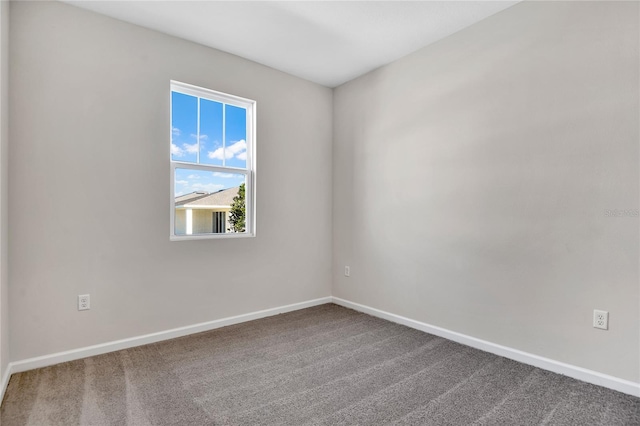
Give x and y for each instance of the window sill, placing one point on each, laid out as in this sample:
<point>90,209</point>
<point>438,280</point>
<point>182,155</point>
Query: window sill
<point>209,237</point>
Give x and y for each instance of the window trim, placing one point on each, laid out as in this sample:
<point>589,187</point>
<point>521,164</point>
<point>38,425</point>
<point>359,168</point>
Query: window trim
<point>249,172</point>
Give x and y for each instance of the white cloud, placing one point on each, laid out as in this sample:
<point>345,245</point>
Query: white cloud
<point>223,175</point>
<point>182,182</point>
<point>193,177</point>
<point>236,149</point>
<point>191,149</point>
<point>176,151</point>
<point>202,137</point>
<point>218,153</point>
<point>209,187</point>
<point>175,131</point>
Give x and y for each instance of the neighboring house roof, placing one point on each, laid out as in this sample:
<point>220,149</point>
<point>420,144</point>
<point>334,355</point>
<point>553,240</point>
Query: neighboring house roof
<point>181,199</point>
<point>224,197</point>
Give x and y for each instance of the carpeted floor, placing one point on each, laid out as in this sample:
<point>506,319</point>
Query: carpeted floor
<point>325,365</point>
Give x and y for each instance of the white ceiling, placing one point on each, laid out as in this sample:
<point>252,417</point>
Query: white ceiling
<point>327,42</point>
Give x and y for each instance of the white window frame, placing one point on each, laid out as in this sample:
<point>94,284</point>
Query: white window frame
<point>250,171</point>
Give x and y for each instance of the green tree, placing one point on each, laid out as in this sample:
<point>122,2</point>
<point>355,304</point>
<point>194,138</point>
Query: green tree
<point>237,212</point>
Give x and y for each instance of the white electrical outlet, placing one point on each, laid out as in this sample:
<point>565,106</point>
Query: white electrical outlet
<point>347,271</point>
<point>84,302</point>
<point>601,319</point>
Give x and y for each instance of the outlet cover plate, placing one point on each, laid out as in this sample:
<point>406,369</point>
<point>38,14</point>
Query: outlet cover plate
<point>600,319</point>
<point>84,302</point>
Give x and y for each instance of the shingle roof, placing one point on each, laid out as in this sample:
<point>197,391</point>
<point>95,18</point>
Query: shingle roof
<point>224,197</point>
<point>181,199</point>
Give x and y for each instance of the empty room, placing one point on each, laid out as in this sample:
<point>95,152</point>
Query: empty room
<point>319,213</point>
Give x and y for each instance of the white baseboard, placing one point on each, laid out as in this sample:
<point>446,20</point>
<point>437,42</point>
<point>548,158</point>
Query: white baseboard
<point>103,348</point>
<point>589,376</point>
<point>579,373</point>
<point>5,382</point>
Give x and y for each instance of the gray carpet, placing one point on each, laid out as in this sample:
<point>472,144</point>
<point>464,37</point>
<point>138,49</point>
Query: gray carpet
<point>325,365</point>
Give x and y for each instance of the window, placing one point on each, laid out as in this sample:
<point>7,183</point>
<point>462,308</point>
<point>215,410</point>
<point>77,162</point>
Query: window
<point>219,222</point>
<point>212,154</point>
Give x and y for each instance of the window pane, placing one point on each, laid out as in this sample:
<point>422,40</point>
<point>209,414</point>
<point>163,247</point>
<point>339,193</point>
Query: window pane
<point>236,136</point>
<point>184,127</point>
<point>210,132</point>
<point>208,202</point>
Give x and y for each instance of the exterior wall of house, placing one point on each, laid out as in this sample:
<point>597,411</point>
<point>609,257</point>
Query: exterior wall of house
<point>202,220</point>
<point>180,221</point>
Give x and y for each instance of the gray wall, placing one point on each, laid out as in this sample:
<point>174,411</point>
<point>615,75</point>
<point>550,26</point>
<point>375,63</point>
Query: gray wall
<point>88,195</point>
<point>4,184</point>
<point>471,180</point>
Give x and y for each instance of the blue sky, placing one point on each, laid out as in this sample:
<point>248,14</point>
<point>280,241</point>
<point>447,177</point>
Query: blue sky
<point>185,147</point>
